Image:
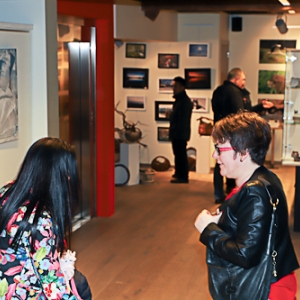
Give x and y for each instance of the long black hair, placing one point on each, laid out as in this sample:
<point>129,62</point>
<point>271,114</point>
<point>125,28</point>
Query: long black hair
<point>48,180</point>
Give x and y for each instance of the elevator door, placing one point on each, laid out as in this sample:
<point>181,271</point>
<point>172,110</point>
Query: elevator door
<point>81,122</point>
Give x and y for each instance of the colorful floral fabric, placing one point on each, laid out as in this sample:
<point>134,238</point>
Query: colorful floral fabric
<point>22,275</point>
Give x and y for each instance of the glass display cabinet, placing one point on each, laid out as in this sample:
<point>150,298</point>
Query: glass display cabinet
<point>291,115</point>
<point>291,124</point>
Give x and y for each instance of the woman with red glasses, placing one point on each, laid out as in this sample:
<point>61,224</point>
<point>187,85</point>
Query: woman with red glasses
<point>236,236</point>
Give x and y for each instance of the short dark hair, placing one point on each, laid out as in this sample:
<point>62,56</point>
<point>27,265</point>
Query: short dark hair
<point>48,179</point>
<point>245,130</point>
<point>180,80</point>
<point>233,73</point>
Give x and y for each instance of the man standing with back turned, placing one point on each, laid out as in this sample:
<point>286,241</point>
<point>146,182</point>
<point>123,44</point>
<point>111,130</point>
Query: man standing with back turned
<point>180,129</point>
<point>227,99</point>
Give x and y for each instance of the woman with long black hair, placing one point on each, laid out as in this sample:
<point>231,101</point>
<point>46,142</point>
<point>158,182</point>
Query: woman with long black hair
<point>35,217</point>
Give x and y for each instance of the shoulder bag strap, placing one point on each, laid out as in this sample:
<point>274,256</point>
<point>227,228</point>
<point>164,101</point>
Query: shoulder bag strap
<point>271,239</point>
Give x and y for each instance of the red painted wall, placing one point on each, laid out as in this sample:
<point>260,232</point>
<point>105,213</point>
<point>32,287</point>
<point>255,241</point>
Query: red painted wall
<point>100,16</point>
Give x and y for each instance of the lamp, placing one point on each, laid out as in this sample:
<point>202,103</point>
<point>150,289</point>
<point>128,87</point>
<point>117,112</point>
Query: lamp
<point>118,43</point>
<point>281,24</point>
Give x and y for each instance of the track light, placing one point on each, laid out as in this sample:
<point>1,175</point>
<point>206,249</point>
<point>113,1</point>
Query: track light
<point>281,24</point>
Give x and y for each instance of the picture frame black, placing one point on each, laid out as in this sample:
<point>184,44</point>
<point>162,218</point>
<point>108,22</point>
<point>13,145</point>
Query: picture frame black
<point>168,61</point>
<point>198,79</point>
<point>163,110</point>
<point>135,78</point>
<point>165,85</point>
<point>163,134</point>
<point>135,50</point>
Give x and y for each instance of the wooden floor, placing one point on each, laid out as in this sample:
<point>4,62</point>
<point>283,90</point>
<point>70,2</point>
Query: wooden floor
<point>149,249</point>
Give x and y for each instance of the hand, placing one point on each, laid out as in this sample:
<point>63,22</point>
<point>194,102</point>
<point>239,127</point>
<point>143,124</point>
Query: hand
<point>267,104</point>
<point>205,218</point>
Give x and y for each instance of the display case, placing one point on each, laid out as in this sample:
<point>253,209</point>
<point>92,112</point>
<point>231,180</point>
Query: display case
<point>291,115</point>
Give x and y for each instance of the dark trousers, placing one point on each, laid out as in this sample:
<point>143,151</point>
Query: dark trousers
<point>219,184</point>
<point>181,160</point>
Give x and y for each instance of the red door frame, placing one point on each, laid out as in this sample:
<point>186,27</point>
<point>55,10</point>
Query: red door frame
<point>100,16</point>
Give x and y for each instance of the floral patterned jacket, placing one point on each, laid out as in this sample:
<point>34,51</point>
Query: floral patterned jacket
<point>24,275</point>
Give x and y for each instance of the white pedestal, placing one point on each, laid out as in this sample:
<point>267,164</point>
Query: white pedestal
<point>130,157</point>
<point>203,155</point>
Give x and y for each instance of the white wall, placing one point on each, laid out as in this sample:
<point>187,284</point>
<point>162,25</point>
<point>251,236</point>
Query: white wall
<point>131,24</point>
<point>32,79</point>
<point>192,28</point>
<point>244,53</point>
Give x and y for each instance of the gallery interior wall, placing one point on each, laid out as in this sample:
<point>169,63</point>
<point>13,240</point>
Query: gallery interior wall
<point>32,79</point>
<point>244,53</point>
<point>192,28</point>
<point>198,28</point>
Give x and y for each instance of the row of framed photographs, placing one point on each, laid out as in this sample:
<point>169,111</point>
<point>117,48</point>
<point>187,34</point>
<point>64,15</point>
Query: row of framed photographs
<point>138,78</point>
<point>166,60</point>
<point>163,109</point>
<point>270,52</point>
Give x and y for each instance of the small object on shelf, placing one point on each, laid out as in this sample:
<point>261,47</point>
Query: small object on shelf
<point>296,116</point>
<point>295,82</point>
<point>295,155</point>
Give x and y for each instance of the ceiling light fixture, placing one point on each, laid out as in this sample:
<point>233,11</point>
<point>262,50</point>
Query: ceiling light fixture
<point>281,24</point>
<point>291,11</point>
<point>284,2</point>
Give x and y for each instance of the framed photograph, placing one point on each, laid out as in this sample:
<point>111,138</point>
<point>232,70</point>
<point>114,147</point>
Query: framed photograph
<point>197,79</point>
<point>168,61</point>
<point>200,104</point>
<point>135,78</point>
<point>165,85</point>
<point>163,110</point>
<point>271,82</point>
<point>274,51</point>
<point>163,134</point>
<point>9,126</point>
<point>136,103</point>
<point>135,50</point>
<point>198,50</point>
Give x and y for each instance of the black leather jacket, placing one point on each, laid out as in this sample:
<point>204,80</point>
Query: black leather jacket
<point>241,235</point>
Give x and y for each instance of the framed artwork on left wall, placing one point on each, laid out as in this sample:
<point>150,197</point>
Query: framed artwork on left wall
<point>9,127</point>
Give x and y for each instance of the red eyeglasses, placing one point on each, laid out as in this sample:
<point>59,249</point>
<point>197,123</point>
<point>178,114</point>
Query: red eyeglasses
<point>222,149</point>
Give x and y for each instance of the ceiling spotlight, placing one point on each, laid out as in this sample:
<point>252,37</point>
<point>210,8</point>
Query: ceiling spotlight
<point>284,2</point>
<point>281,24</point>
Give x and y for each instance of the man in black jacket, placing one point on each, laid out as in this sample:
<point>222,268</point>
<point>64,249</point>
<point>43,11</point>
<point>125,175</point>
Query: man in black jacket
<point>229,98</point>
<point>180,129</point>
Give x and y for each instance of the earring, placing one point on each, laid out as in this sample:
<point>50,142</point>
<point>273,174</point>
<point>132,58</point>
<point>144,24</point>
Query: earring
<point>241,160</point>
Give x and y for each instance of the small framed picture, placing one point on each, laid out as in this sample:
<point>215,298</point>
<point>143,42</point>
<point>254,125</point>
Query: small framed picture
<point>163,110</point>
<point>165,85</point>
<point>136,103</point>
<point>163,134</point>
<point>197,79</point>
<point>135,50</point>
<point>198,50</point>
<point>168,61</point>
<point>200,104</point>
<point>135,78</point>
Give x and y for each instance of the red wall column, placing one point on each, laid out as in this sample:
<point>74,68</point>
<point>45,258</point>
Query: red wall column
<point>101,16</point>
